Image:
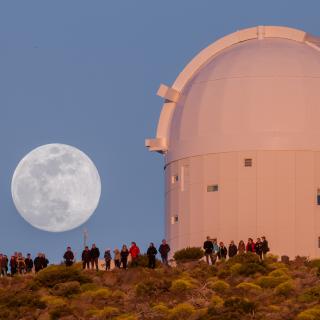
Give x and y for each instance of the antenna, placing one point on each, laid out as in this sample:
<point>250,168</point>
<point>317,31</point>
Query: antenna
<point>85,237</point>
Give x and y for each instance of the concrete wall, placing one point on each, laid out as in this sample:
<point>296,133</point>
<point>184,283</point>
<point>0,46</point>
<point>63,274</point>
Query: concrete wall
<point>275,197</point>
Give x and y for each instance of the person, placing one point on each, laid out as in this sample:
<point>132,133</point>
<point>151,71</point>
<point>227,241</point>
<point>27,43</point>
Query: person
<point>29,263</point>
<point>21,263</point>
<point>164,250</point>
<point>6,262</point>
<point>107,259</point>
<point>13,265</point>
<point>124,256</point>
<point>86,258</point>
<point>222,253</point>
<point>215,251</point>
<point>117,257</point>
<point>208,250</point>
<point>265,247</point>
<point>68,257</point>
<point>151,253</point>
<point>3,265</point>
<point>44,261</point>
<point>258,248</point>
<point>250,245</point>
<point>37,263</point>
<point>232,250</point>
<point>241,247</point>
<point>134,252</point>
<point>94,254</point>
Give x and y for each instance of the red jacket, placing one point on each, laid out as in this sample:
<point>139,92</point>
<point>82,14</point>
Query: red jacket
<point>134,251</point>
<point>248,249</point>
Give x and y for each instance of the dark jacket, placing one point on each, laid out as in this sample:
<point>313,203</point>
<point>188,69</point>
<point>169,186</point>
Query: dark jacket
<point>222,253</point>
<point>250,247</point>
<point>86,256</point>
<point>68,256</point>
<point>208,247</point>
<point>37,263</point>
<point>107,256</point>
<point>94,253</point>
<point>164,249</point>
<point>232,250</point>
<point>29,263</point>
<point>265,246</point>
<point>124,254</point>
<point>152,251</point>
<point>258,247</point>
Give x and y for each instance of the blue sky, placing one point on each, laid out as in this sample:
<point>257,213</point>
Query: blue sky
<point>85,73</point>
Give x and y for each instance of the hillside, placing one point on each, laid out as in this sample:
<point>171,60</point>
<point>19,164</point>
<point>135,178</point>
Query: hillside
<point>240,288</point>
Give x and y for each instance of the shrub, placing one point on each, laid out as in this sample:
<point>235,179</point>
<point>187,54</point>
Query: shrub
<point>143,261</point>
<point>126,317</point>
<point>310,295</point>
<point>105,313</point>
<point>279,273</point>
<point>66,289</point>
<point>239,304</point>
<point>89,287</point>
<point>235,269</point>
<point>181,285</point>
<point>20,298</point>
<point>284,288</point>
<point>181,311</point>
<point>244,258</point>
<point>161,311</point>
<point>310,314</point>
<point>59,311</point>
<point>270,282</point>
<point>216,302</point>
<point>52,275</point>
<point>248,287</point>
<point>249,269</point>
<point>100,294</point>
<point>146,288</point>
<point>218,285</point>
<point>52,301</point>
<point>188,254</point>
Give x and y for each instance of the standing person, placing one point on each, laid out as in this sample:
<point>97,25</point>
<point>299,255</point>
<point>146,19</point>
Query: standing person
<point>164,250</point>
<point>250,245</point>
<point>86,258</point>
<point>208,250</point>
<point>3,265</point>
<point>94,254</point>
<point>107,259</point>
<point>68,257</point>
<point>21,263</point>
<point>151,253</point>
<point>232,251</point>
<point>222,253</point>
<point>258,248</point>
<point>124,256</point>
<point>241,247</point>
<point>215,251</point>
<point>13,265</point>
<point>117,257</point>
<point>29,263</point>
<point>44,261</point>
<point>6,262</point>
<point>134,252</point>
<point>265,247</point>
<point>37,263</point>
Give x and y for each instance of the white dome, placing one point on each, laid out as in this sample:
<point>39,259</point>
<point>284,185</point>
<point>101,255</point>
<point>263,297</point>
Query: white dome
<point>259,93</point>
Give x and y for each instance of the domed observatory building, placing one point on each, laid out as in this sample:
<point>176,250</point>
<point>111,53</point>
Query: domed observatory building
<point>240,134</point>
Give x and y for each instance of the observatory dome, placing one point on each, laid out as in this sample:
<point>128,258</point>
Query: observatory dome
<point>258,93</point>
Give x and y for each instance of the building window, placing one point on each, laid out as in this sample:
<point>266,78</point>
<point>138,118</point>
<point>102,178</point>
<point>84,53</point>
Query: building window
<point>174,219</point>
<point>318,197</point>
<point>212,188</point>
<point>248,162</point>
<point>174,178</point>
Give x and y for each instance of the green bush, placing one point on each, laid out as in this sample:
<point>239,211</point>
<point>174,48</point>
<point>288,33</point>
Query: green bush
<point>66,289</point>
<point>181,285</point>
<point>284,288</point>
<point>310,314</point>
<point>235,268</point>
<point>181,311</point>
<point>310,295</point>
<point>240,304</point>
<point>249,269</point>
<point>52,275</point>
<point>279,273</point>
<point>142,261</point>
<point>249,287</point>
<point>244,258</point>
<point>20,298</point>
<point>188,254</point>
<point>218,286</point>
<point>151,286</point>
<point>161,311</point>
<point>216,302</point>
<point>270,282</point>
<point>105,313</point>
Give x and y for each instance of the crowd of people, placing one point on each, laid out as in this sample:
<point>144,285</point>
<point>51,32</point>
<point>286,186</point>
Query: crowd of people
<point>19,264</point>
<point>90,257</point>
<point>214,251</point>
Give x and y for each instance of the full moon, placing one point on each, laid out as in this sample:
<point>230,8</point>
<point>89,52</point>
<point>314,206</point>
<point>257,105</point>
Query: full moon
<point>56,187</point>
